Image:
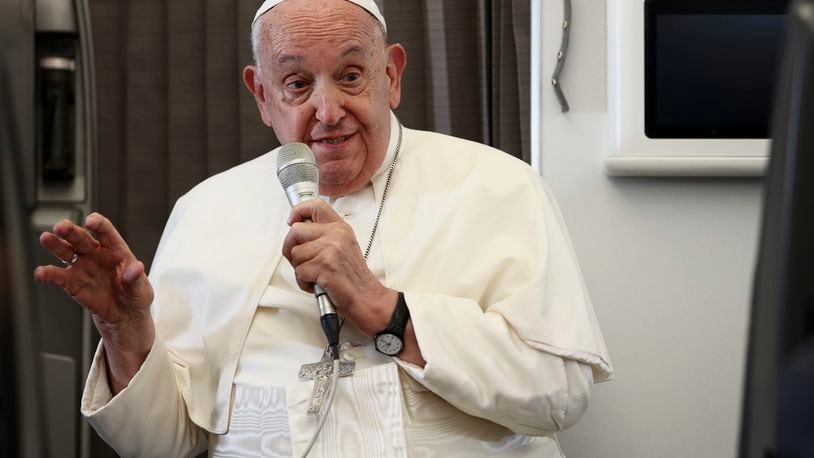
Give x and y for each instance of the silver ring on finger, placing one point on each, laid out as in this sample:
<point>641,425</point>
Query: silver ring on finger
<point>72,261</point>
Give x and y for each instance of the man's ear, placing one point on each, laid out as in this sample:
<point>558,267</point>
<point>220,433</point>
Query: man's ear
<point>252,81</point>
<point>396,62</point>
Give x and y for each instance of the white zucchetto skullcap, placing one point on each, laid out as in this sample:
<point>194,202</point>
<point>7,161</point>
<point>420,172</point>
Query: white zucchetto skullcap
<point>368,5</point>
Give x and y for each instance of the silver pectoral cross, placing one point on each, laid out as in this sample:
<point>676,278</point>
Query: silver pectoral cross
<point>321,373</point>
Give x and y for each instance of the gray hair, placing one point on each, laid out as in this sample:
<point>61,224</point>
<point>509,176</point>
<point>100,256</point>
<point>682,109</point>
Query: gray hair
<point>255,42</point>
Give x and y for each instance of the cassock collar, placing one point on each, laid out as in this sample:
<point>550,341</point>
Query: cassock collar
<point>391,147</point>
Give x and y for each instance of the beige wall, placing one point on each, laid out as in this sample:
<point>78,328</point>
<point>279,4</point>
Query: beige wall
<point>668,262</point>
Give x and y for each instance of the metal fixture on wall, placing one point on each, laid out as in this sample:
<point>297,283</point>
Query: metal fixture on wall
<point>561,54</point>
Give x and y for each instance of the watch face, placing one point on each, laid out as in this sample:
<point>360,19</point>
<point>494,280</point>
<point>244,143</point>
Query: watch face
<point>389,344</point>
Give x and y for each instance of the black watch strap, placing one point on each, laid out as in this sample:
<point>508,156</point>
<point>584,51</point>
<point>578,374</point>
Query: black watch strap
<point>398,322</point>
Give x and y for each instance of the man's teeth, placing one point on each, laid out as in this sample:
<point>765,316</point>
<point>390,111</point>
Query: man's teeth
<point>335,141</point>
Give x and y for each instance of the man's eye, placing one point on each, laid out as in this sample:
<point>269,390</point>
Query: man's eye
<point>351,77</point>
<point>296,85</point>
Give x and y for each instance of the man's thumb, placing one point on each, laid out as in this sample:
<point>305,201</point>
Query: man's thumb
<point>133,278</point>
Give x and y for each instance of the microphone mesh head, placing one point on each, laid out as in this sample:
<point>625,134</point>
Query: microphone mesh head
<point>296,164</point>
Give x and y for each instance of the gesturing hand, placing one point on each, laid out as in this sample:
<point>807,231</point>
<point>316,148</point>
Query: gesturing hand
<point>104,276</point>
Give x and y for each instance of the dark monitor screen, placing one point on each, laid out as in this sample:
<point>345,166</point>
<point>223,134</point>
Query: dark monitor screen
<point>710,67</point>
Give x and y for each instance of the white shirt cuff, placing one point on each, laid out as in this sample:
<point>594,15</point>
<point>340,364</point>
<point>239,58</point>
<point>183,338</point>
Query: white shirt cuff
<point>97,395</point>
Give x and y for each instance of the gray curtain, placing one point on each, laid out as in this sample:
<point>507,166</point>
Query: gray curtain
<point>468,71</point>
<point>173,109</point>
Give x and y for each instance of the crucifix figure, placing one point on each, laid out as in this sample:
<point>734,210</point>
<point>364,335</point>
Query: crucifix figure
<point>321,373</point>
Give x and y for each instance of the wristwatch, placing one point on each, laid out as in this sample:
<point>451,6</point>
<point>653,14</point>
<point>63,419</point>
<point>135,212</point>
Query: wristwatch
<point>391,341</point>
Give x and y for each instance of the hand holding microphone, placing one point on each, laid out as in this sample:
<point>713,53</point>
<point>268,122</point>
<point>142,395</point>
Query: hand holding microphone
<point>325,254</point>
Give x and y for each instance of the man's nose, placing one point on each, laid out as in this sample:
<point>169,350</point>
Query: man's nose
<point>330,104</point>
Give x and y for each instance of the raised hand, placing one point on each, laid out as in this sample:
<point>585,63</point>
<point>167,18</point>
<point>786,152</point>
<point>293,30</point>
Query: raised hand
<point>104,276</point>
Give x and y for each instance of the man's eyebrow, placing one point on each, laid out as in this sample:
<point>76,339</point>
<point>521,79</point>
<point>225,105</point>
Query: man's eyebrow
<point>353,50</point>
<point>285,58</point>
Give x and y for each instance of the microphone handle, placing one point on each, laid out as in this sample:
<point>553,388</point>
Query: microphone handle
<point>329,319</point>
<point>324,301</point>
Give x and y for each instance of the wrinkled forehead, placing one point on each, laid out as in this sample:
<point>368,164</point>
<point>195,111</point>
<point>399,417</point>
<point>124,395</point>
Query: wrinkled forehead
<point>369,6</point>
<point>295,36</point>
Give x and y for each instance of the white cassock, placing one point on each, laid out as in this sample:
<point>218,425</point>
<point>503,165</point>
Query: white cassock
<point>471,236</point>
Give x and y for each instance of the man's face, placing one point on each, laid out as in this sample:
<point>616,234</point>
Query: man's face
<point>326,78</point>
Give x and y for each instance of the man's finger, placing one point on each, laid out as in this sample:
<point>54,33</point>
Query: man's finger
<point>134,280</point>
<point>313,210</point>
<point>51,274</point>
<point>306,276</point>
<point>81,241</point>
<point>61,278</point>
<point>105,232</point>
<point>304,252</point>
<point>301,233</point>
<point>307,287</point>
<point>61,249</point>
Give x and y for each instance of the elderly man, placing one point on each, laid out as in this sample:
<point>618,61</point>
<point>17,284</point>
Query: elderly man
<point>455,250</point>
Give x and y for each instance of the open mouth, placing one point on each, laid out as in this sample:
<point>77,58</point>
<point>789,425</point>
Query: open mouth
<point>334,140</point>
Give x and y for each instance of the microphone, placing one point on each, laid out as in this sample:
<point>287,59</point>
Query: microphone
<point>299,176</point>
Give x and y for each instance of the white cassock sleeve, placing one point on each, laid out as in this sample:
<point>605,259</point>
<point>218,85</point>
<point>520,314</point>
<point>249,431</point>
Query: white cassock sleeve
<point>477,363</point>
<point>148,418</point>
<point>504,324</point>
